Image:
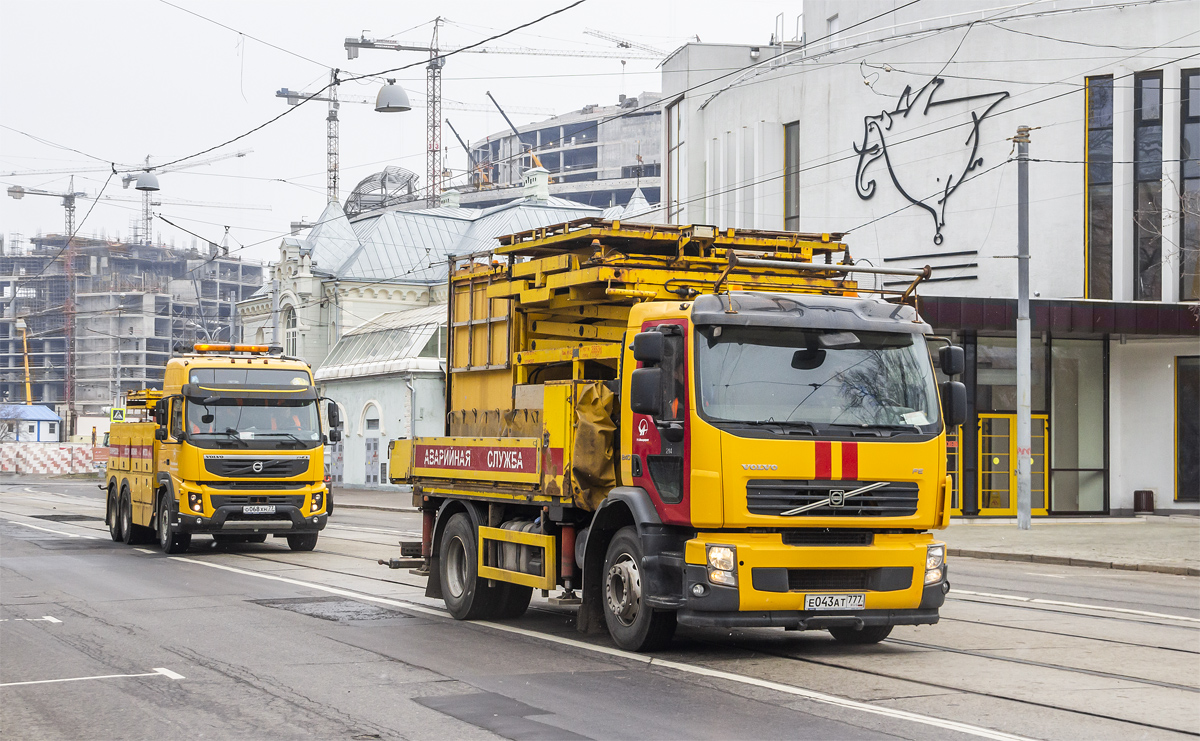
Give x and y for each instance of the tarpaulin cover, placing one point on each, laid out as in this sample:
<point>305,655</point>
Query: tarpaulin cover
<point>592,457</point>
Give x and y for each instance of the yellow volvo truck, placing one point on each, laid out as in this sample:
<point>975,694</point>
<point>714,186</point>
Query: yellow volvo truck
<point>232,446</point>
<point>712,428</point>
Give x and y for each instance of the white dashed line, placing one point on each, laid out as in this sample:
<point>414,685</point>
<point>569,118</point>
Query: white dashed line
<point>154,673</point>
<point>1058,603</point>
<point>56,532</point>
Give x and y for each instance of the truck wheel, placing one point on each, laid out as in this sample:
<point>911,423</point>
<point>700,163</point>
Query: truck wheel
<point>302,542</point>
<point>128,536</point>
<point>869,634</point>
<point>112,516</point>
<point>633,625</point>
<point>513,601</point>
<point>170,542</point>
<point>466,595</point>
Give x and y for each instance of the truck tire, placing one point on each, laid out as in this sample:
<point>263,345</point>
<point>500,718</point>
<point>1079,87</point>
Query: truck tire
<point>112,515</point>
<point>513,602</point>
<point>466,595</point>
<point>302,541</point>
<point>632,625</point>
<point>170,542</point>
<point>869,634</point>
<point>131,534</point>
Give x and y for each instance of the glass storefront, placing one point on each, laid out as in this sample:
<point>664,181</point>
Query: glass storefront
<point>1077,425</point>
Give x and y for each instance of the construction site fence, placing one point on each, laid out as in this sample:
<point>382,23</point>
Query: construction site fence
<point>51,458</point>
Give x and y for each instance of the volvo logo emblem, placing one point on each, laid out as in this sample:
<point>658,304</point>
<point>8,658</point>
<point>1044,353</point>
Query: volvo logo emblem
<point>837,497</point>
<point>258,467</point>
<point>760,466</point>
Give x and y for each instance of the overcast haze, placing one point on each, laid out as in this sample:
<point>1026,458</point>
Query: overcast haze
<point>120,80</point>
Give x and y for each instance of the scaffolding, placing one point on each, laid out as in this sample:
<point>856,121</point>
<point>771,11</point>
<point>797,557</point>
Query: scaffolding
<point>130,304</point>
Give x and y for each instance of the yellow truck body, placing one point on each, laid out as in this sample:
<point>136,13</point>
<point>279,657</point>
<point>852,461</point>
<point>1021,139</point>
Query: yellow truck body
<point>695,426</point>
<point>231,446</point>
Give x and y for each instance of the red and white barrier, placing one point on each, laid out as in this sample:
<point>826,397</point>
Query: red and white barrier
<point>46,458</point>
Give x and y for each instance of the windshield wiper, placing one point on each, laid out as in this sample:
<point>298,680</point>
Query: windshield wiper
<point>895,428</point>
<point>229,432</point>
<point>274,434</point>
<point>783,423</point>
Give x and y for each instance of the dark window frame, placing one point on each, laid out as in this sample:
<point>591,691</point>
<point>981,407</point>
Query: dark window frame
<point>1097,256</point>
<point>1147,174</point>
<point>1179,362</point>
<point>1189,185</point>
<point>791,176</point>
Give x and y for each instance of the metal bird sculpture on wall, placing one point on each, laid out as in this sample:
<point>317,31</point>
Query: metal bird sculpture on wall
<point>924,101</point>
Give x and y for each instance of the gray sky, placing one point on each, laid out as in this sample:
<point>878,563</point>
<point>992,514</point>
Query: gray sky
<point>122,79</point>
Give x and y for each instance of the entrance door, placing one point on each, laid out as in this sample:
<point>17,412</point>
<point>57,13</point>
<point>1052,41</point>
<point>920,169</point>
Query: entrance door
<point>998,464</point>
<point>372,459</point>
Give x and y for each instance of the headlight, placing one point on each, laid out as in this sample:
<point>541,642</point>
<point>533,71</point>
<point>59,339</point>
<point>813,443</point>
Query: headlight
<point>194,501</point>
<point>935,556</point>
<point>318,499</point>
<point>722,557</point>
<point>728,578</point>
<point>933,576</point>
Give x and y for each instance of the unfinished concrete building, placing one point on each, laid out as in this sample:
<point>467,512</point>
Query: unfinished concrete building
<point>131,303</point>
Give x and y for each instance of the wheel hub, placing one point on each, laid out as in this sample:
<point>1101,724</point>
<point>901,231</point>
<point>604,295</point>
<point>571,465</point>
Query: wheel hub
<point>623,590</point>
<point>456,567</point>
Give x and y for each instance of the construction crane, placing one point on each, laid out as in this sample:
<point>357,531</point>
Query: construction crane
<point>536,162</point>
<point>68,201</point>
<point>476,171</point>
<point>334,98</point>
<point>625,43</point>
<point>132,177</point>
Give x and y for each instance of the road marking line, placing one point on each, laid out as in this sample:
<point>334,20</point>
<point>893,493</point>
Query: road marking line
<point>1052,576</point>
<point>42,619</point>
<point>56,532</point>
<point>819,697</point>
<point>145,550</point>
<point>157,672</point>
<point>365,529</point>
<point>1058,603</point>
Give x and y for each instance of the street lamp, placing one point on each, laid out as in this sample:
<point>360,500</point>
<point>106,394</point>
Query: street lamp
<point>392,99</point>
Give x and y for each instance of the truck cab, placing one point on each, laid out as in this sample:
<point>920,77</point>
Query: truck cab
<point>233,447</point>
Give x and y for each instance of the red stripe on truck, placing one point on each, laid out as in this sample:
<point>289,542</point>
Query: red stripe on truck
<point>824,460</point>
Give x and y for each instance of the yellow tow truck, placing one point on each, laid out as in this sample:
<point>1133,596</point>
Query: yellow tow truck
<point>232,446</point>
<point>695,426</point>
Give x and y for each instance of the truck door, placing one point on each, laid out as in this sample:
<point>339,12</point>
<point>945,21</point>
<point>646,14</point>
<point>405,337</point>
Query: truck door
<point>660,442</point>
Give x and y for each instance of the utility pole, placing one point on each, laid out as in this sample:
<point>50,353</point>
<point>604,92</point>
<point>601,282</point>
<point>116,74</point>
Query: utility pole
<point>275,310</point>
<point>24,329</point>
<point>433,110</point>
<point>1024,409</point>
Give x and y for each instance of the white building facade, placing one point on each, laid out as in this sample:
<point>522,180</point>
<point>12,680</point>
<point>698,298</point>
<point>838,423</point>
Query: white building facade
<point>896,127</point>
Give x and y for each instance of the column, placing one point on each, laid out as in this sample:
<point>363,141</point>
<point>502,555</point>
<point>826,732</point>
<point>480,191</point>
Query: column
<point>1122,184</point>
<point>1172,183</point>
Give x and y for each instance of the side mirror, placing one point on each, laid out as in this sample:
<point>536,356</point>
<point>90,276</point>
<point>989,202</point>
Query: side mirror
<point>160,412</point>
<point>334,417</point>
<point>954,403</point>
<point>952,359</point>
<point>648,347</point>
<point>335,435</point>
<point>160,433</point>
<point>645,391</point>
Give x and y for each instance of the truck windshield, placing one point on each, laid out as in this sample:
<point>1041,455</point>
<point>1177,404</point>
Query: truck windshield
<point>260,420</point>
<point>825,378</point>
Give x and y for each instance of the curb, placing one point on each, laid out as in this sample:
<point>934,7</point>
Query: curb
<point>376,507</point>
<point>1084,562</point>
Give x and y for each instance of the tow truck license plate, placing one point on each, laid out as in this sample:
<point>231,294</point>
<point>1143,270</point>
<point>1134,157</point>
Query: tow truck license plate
<point>835,601</point>
<point>258,509</point>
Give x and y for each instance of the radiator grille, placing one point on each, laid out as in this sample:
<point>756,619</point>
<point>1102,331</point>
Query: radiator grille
<point>222,500</point>
<point>256,485</point>
<point>828,537</point>
<point>249,466</point>
<point>765,497</point>
<point>820,580</point>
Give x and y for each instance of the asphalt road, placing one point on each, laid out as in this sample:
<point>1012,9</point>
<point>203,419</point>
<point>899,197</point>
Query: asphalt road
<point>99,640</point>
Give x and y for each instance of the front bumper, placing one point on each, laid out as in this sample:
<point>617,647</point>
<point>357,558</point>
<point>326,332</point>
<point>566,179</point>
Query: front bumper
<point>894,588</point>
<point>286,519</point>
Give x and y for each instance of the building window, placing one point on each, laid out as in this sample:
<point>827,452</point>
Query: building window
<point>1099,203</point>
<point>1077,426</point>
<point>291,333</point>
<point>1187,429</point>
<point>52,428</point>
<point>791,176</point>
<point>1189,155</point>
<point>31,429</point>
<point>833,30</point>
<point>372,424</point>
<point>674,154</point>
<point>1147,186</point>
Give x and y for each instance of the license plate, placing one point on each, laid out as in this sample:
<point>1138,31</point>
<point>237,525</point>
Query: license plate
<point>258,509</point>
<point>835,601</point>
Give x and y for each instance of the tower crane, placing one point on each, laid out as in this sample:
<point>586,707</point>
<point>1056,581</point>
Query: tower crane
<point>335,99</point>
<point>625,43</point>
<point>147,182</point>
<point>434,83</point>
<point>68,201</point>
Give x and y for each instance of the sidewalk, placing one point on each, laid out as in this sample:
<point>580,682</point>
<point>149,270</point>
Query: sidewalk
<point>390,499</point>
<point>1167,545</point>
